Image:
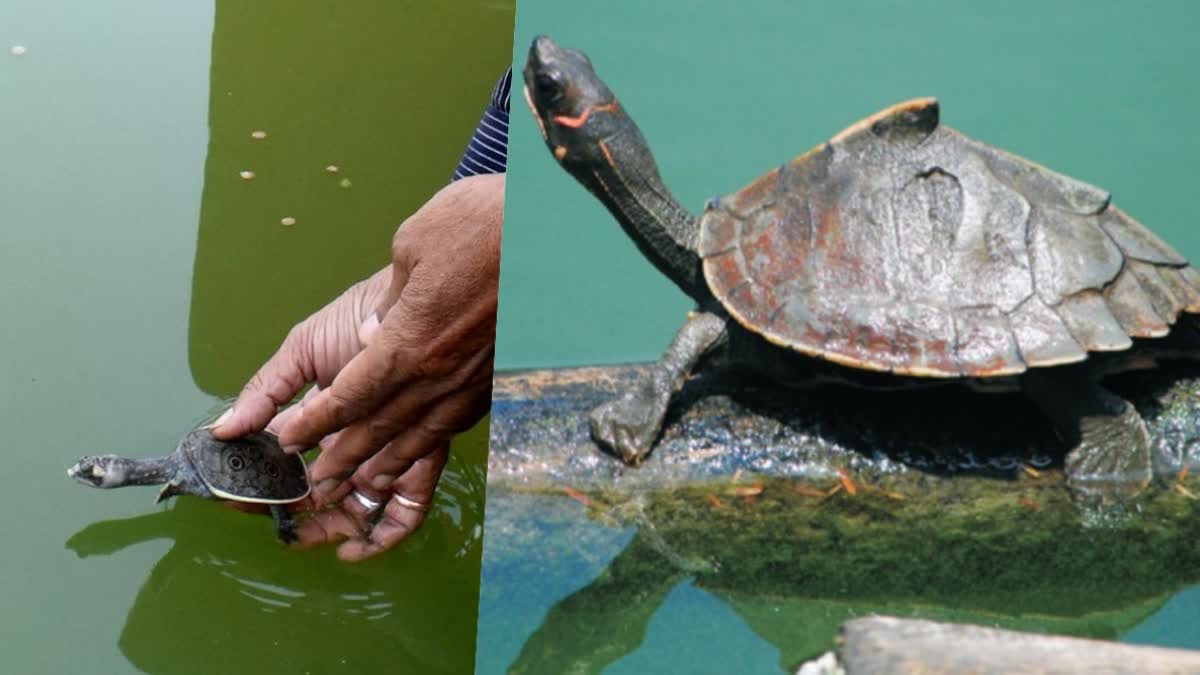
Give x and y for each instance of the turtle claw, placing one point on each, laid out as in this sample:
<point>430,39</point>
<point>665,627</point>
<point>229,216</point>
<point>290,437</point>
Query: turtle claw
<point>1113,458</point>
<point>627,426</point>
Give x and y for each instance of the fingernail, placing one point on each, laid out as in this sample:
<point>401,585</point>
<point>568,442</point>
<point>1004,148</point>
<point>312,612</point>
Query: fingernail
<point>382,481</point>
<point>223,418</point>
<point>294,449</point>
<point>368,328</point>
<point>328,485</point>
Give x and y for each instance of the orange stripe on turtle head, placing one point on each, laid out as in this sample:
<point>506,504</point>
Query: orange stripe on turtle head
<point>576,122</point>
<point>607,154</point>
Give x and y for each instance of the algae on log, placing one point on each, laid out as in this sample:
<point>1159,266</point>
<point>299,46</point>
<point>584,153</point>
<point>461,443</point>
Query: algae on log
<point>952,506</point>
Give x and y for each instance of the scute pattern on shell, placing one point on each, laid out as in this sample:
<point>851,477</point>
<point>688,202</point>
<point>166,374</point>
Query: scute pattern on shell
<point>253,468</point>
<point>902,245</point>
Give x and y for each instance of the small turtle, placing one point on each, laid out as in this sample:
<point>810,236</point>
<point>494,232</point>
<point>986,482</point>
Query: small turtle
<point>252,469</point>
<point>897,254</point>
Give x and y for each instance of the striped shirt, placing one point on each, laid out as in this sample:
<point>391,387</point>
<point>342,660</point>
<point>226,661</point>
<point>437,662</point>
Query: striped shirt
<point>488,149</point>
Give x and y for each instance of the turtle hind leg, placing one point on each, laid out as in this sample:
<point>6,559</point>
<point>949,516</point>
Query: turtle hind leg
<point>630,425</point>
<point>1110,458</point>
<point>285,525</point>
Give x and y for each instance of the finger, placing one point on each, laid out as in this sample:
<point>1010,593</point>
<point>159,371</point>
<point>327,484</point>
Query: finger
<point>350,518</point>
<point>399,519</point>
<point>333,467</point>
<point>274,385</point>
<point>328,527</point>
<point>382,469</point>
<point>423,410</point>
<point>362,443</point>
<point>420,340</point>
<point>281,420</point>
<point>363,438</point>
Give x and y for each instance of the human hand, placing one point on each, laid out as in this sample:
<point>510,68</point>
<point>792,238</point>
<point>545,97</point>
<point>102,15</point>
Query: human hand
<point>401,362</point>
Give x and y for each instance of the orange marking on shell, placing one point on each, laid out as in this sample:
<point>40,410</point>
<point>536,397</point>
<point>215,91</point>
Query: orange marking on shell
<point>846,482</point>
<point>576,122</point>
<point>862,125</point>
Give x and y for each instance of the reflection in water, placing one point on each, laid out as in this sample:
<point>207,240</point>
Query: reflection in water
<point>793,567</point>
<point>223,599</point>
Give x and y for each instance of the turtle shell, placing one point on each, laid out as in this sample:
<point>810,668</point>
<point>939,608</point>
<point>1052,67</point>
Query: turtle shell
<point>902,245</point>
<point>251,469</point>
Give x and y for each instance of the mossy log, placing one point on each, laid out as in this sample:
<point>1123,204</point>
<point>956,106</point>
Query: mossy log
<point>804,510</point>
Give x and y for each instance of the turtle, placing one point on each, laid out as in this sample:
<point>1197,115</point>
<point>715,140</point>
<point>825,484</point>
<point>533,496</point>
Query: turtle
<point>900,253</point>
<point>252,469</point>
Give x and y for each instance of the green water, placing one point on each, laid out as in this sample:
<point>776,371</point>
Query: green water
<point>143,280</point>
<point>1106,92</point>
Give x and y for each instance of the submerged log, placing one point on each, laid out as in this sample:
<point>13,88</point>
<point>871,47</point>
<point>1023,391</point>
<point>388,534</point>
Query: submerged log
<point>892,645</point>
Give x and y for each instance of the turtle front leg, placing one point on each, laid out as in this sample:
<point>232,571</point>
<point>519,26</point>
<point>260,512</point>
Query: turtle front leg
<point>285,525</point>
<point>1111,456</point>
<point>630,425</point>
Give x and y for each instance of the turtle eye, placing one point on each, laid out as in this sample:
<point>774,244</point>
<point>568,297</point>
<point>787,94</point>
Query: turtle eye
<point>548,89</point>
<point>272,470</point>
<point>236,462</point>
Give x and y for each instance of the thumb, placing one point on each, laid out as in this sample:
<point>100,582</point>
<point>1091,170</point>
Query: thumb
<point>274,385</point>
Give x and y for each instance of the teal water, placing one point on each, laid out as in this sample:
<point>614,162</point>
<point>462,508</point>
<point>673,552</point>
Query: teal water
<point>144,281</point>
<point>723,91</point>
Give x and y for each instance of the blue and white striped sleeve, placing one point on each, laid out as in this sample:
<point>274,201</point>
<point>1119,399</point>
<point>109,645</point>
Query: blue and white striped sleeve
<point>488,149</point>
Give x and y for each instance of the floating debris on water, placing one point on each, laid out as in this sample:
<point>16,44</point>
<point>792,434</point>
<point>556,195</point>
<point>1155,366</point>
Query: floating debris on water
<point>287,221</point>
<point>332,168</point>
<point>246,175</point>
<point>258,135</point>
<point>345,182</point>
<point>17,50</point>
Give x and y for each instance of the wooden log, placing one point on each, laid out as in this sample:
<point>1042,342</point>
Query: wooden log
<point>882,644</point>
<point>719,426</point>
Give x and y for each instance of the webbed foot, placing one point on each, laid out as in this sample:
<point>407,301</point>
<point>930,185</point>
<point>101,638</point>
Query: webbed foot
<point>1113,457</point>
<point>285,525</point>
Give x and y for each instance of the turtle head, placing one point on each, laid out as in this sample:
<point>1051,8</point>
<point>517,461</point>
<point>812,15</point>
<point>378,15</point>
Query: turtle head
<point>573,107</point>
<point>113,471</point>
<point>590,135</point>
<point>101,471</point>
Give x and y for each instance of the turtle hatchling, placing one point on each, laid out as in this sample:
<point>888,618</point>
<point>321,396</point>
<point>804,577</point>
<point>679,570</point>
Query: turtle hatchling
<point>253,469</point>
<point>901,252</point>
